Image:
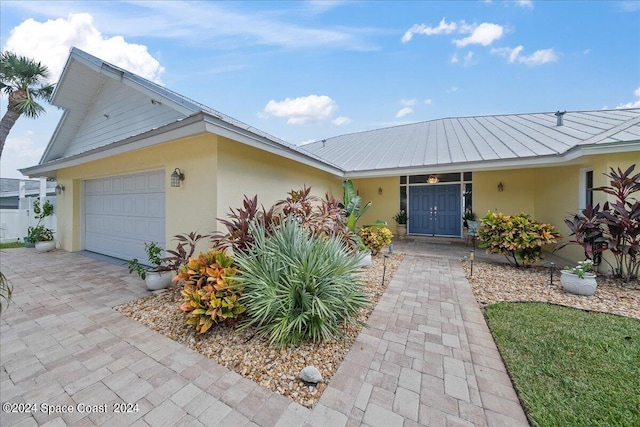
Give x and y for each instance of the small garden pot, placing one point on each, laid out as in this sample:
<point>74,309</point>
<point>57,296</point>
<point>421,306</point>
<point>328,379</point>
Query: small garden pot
<point>402,230</point>
<point>158,280</point>
<point>366,259</point>
<point>45,246</point>
<point>573,284</point>
<point>28,243</point>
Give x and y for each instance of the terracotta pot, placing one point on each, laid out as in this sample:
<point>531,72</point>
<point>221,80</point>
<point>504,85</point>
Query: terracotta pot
<point>573,284</point>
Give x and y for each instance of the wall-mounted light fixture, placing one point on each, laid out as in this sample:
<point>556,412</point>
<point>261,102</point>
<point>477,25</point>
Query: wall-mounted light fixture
<point>379,191</point>
<point>176,177</point>
<point>433,179</point>
<point>59,189</point>
<point>500,187</point>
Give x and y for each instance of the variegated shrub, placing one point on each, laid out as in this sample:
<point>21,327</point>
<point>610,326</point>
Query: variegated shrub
<point>209,296</point>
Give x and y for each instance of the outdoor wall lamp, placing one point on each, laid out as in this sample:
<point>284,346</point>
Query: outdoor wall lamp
<point>379,191</point>
<point>500,187</point>
<point>59,189</point>
<point>176,177</point>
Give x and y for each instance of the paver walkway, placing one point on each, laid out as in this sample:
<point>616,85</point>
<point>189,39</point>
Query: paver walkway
<point>427,358</point>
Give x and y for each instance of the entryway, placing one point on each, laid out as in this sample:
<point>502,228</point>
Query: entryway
<point>435,210</point>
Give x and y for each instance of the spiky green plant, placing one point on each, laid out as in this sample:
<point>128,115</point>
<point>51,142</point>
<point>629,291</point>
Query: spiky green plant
<point>5,290</point>
<point>298,286</point>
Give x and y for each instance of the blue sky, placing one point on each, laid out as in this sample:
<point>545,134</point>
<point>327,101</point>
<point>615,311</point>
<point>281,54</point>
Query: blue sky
<point>303,71</point>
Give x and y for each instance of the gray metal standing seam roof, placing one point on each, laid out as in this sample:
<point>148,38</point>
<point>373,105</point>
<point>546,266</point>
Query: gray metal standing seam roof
<point>463,140</point>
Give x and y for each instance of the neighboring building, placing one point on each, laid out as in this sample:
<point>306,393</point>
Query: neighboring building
<point>16,201</point>
<point>122,137</point>
<point>10,191</point>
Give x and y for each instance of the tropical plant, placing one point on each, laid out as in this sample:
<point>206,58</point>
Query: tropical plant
<point>179,256</point>
<point>621,219</point>
<point>39,233</point>
<point>158,264</point>
<point>298,286</point>
<point>6,290</point>
<point>401,217</point>
<point>24,81</point>
<point>375,237</point>
<point>581,269</point>
<point>206,287</point>
<point>518,237</point>
<point>238,236</point>
<point>352,205</point>
<point>588,231</point>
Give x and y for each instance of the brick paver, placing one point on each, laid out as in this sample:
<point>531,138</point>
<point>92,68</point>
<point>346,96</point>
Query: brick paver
<point>427,357</point>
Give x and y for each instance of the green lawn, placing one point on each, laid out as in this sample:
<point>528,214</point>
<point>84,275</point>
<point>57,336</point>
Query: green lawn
<point>11,245</point>
<point>570,367</point>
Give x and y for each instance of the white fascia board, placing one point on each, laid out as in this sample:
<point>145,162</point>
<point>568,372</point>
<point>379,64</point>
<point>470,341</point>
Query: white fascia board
<point>227,130</point>
<point>573,156</point>
<point>190,126</point>
<point>54,137</point>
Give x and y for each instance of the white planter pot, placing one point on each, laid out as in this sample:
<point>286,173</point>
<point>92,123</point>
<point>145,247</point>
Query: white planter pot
<point>158,280</point>
<point>365,261</point>
<point>45,246</point>
<point>573,284</point>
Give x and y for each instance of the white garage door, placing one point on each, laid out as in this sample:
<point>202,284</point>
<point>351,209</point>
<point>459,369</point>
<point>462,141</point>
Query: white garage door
<point>123,212</point>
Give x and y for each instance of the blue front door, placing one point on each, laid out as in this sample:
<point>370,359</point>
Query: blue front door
<point>435,210</point>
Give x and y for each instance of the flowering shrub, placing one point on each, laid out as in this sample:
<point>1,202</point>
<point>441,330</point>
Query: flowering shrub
<point>375,237</point>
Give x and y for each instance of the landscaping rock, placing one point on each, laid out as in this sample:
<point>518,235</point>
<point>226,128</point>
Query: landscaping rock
<point>309,374</point>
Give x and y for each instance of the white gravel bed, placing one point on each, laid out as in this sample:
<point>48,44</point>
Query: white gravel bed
<point>493,282</point>
<point>251,356</point>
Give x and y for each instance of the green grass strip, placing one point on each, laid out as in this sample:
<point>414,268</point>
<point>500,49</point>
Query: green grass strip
<point>570,367</point>
<point>11,245</point>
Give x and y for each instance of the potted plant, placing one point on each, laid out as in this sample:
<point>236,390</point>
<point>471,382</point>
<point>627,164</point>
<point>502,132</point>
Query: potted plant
<point>579,280</point>
<point>468,215</point>
<point>40,236</point>
<point>156,276</point>
<point>401,220</point>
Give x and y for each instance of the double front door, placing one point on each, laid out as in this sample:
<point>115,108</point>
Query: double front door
<point>435,210</point>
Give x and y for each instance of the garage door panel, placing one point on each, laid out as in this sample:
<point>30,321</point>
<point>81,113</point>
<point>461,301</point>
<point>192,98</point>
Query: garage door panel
<point>124,212</point>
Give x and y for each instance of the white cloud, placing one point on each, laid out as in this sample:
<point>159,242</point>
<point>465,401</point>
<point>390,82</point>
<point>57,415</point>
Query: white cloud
<point>20,152</point>
<point>442,28</point>
<point>408,102</point>
<point>49,42</point>
<point>427,101</point>
<point>404,111</point>
<point>454,58</point>
<point>538,57</point>
<point>632,104</point>
<point>302,110</point>
<point>484,34</point>
<point>452,89</point>
<point>528,4</point>
<point>468,59</point>
<point>341,120</point>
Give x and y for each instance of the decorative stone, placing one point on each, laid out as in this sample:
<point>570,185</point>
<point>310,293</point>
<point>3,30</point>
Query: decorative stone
<point>309,374</point>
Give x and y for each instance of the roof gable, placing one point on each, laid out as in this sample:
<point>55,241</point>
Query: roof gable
<point>104,103</point>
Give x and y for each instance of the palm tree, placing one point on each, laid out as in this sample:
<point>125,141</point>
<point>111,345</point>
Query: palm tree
<point>24,81</point>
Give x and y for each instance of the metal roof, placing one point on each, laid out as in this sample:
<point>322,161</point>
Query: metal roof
<point>464,141</point>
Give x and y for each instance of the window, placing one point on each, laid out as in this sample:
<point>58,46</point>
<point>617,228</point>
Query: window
<point>586,188</point>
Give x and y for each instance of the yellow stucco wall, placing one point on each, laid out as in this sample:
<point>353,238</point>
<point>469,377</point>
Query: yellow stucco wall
<point>188,208</point>
<point>384,206</point>
<point>517,196</point>
<point>244,170</point>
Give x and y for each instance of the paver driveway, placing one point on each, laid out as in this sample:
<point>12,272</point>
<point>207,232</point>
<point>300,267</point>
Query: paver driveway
<point>426,359</point>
